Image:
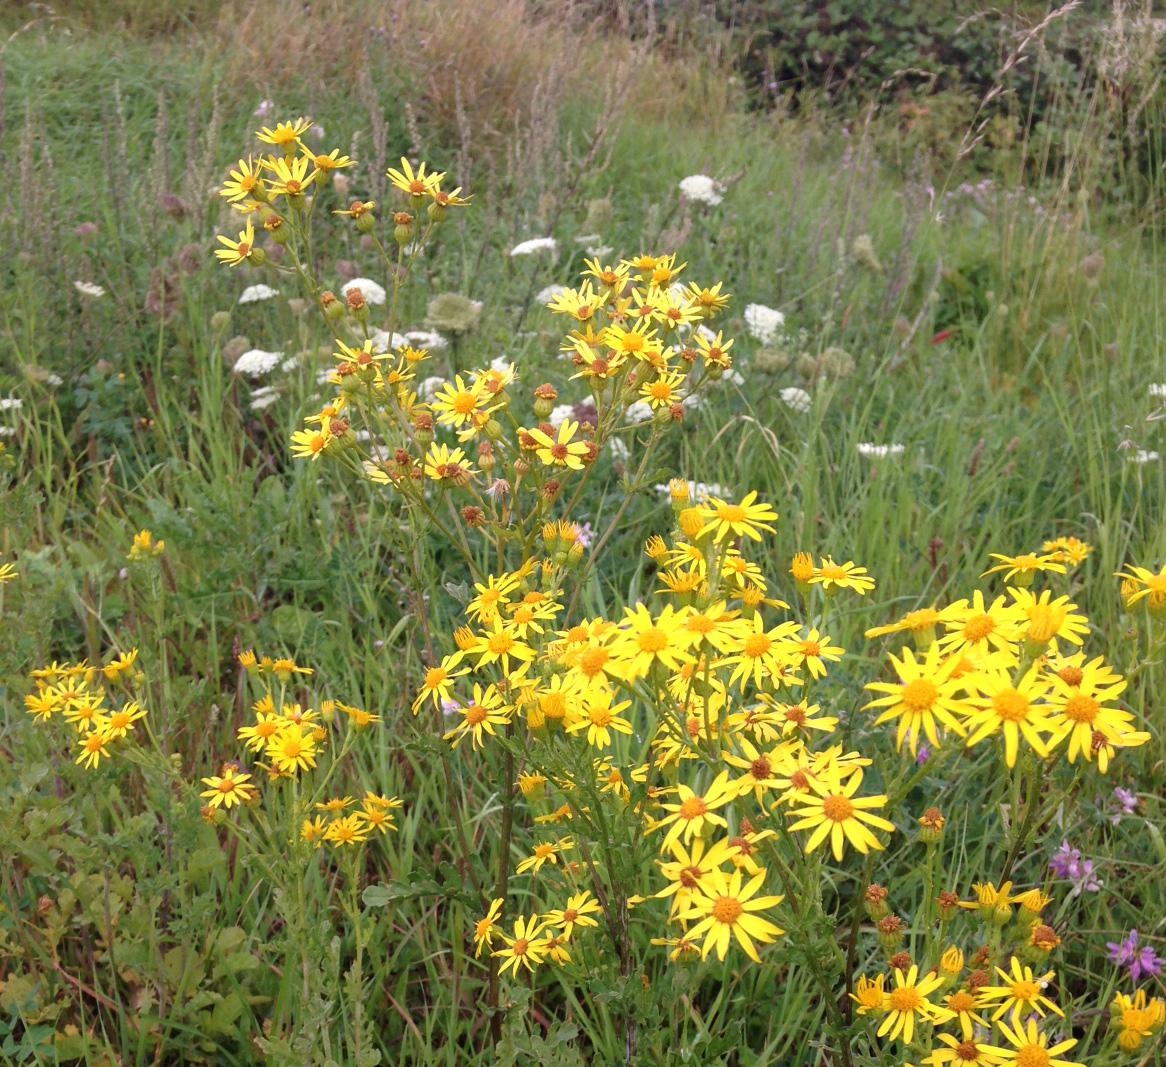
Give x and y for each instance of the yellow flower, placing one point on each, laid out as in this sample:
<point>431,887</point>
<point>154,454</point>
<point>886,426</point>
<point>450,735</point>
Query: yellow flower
<point>329,161</point>
<point>715,352</point>
<point>925,694</point>
<point>694,868</point>
<point>144,545</point>
<point>832,810</point>
<point>347,830</point>
<point>1143,585</point>
<point>709,301</point>
<point>439,681</point>
<point>745,519</point>
<point>1079,712</point>
<point>545,852</point>
<point>312,830</point>
<point>309,444</point>
<point>243,183</point>
<point>813,650</point>
<point>965,1053</point>
<point>1029,1048</point>
<point>228,789</point>
<point>1022,568</point>
<point>285,134</point>
<point>444,464</point>
<point>499,643</point>
<point>121,722</point>
<point>662,391</point>
<point>963,1004</point>
<point>1014,709</point>
<point>920,621</point>
<point>729,912</point>
<point>600,717</point>
<point>695,813</point>
<point>908,1001</point>
<point>485,710</point>
<point>94,746</point>
<point>526,947</point>
<point>292,749</point>
<point>8,573</point>
<point>487,926</point>
<point>1068,550</point>
<point>416,184</point>
<point>119,665</point>
<point>832,576</point>
<point>455,403</point>
<point>759,656</point>
<point>578,912</point>
<point>255,738</point>
<point>977,627</point>
<point>235,252</point>
<point>561,450</point>
<point>1021,993</point>
<point>1049,619</point>
<point>646,640</point>
<point>870,996</point>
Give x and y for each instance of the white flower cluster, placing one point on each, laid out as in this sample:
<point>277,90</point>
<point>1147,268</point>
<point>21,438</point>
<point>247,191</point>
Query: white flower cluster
<point>89,288</point>
<point>796,399</point>
<point>534,244</point>
<point>373,292</point>
<point>255,362</point>
<point>702,189</point>
<point>865,448</point>
<point>763,323</point>
<point>254,293</point>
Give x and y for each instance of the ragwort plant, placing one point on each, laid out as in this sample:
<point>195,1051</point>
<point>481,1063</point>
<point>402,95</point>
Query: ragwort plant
<point>671,781</point>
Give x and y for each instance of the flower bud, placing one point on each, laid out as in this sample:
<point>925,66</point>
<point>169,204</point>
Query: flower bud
<point>875,902</point>
<point>931,826</point>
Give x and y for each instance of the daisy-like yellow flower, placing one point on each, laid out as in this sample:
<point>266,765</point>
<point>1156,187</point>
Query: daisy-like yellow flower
<point>1068,550</point>
<point>486,927</point>
<point>640,342</point>
<point>578,911</point>
<point>920,623</point>
<point>813,650</point>
<point>562,450</point>
<point>694,868</point>
<point>285,134</point>
<point>43,704</point>
<point>347,830</point>
<point>710,301</point>
<point>1145,585</point>
<point>447,465</point>
<point>309,444</point>
<point>715,351</point>
<point>961,1053</point>
<point>292,749</point>
<point>962,1003</point>
<point>926,694</point>
<point>545,852</point>
<point>833,576</point>
<point>870,995</point>
<point>1031,1048</point>
<point>491,596</point>
<point>8,573</point>
<point>438,683</point>
<point>230,788</point>
<point>255,738</point>
<point>235,252</point>
<point>312,830</point>
<point>119,665</point>
<point>1020,993</point>
<point>526,947</point>
<point>1080,711</point>
<point>991,900</point>
<point>580,304</point>
<point>600,717</point>
<point>416,183</point>
<point>662,391</point>
<point>729,912</point>
<point>499,643</point>
<point>695,813</point>
<point>121,722</point>
<point>326,162</point>
<point>455,403</point>
<point>907,1001</point>
<point>93,747</point>
<point>1048,620</point>
<point>831,809</point>
<point>1023,568</point>
<point>243,182</point>
<point>746,519</point>
<point>485,710</point>
<point>646,640</point>
<point>760,657</point>
<point>975,626</point>
<point>1014,709</point>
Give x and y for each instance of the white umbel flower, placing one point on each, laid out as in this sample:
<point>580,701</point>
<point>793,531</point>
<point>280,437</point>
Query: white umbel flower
<point>1158,390</point>
<point>560,413</point>
<point>763,323</point>
<point>1143,455</point>
<point>263,397</point>
<point>545,296</point>
<point>534,244</point>
<point>254,293</point>
<point>796,399</point>
<point>702,189</point>
<point>89,288</point>
<point>373,292</point>
<point>640,411</point>
<point>255,363</point>
<point>865,448</point>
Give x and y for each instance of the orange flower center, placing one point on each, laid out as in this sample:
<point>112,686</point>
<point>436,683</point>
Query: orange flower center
<point>905,999</point>
<point>756,645</point>
<point>500,643</point>
<point>731,513</point>
<point>760,768</point>
<point>919,694</point>
<point>837,808</point>
<point>961,1001</point>
<point>727,910</point>
<point>967,1052</point>
<point>1010,705</point>
<point>1025,991</point>
<point>979,627</point>
<point>1032,1056</point>
<point>652,639</point>
<point>1071,675</point>
<point>1081,708</point>
<point>476,714</point>
<point>693,808</point>
<point>520,946</point>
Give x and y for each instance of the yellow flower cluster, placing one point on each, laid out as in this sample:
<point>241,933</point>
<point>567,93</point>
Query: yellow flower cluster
<point>973,999</point>
<point>1011,669</point>
<point>1136,1019</point>
<point>288,739</point>
<point>144,546</point>
<point>96,701</point>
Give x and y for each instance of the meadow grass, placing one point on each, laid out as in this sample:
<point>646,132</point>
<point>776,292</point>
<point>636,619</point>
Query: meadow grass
<point>999,317</point>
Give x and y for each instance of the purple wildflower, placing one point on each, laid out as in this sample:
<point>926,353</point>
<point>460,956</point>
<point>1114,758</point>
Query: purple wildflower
<point>923,755</point>
<point>1126,802</point>
<point>1067,863</point>
<point>1137,961</point>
